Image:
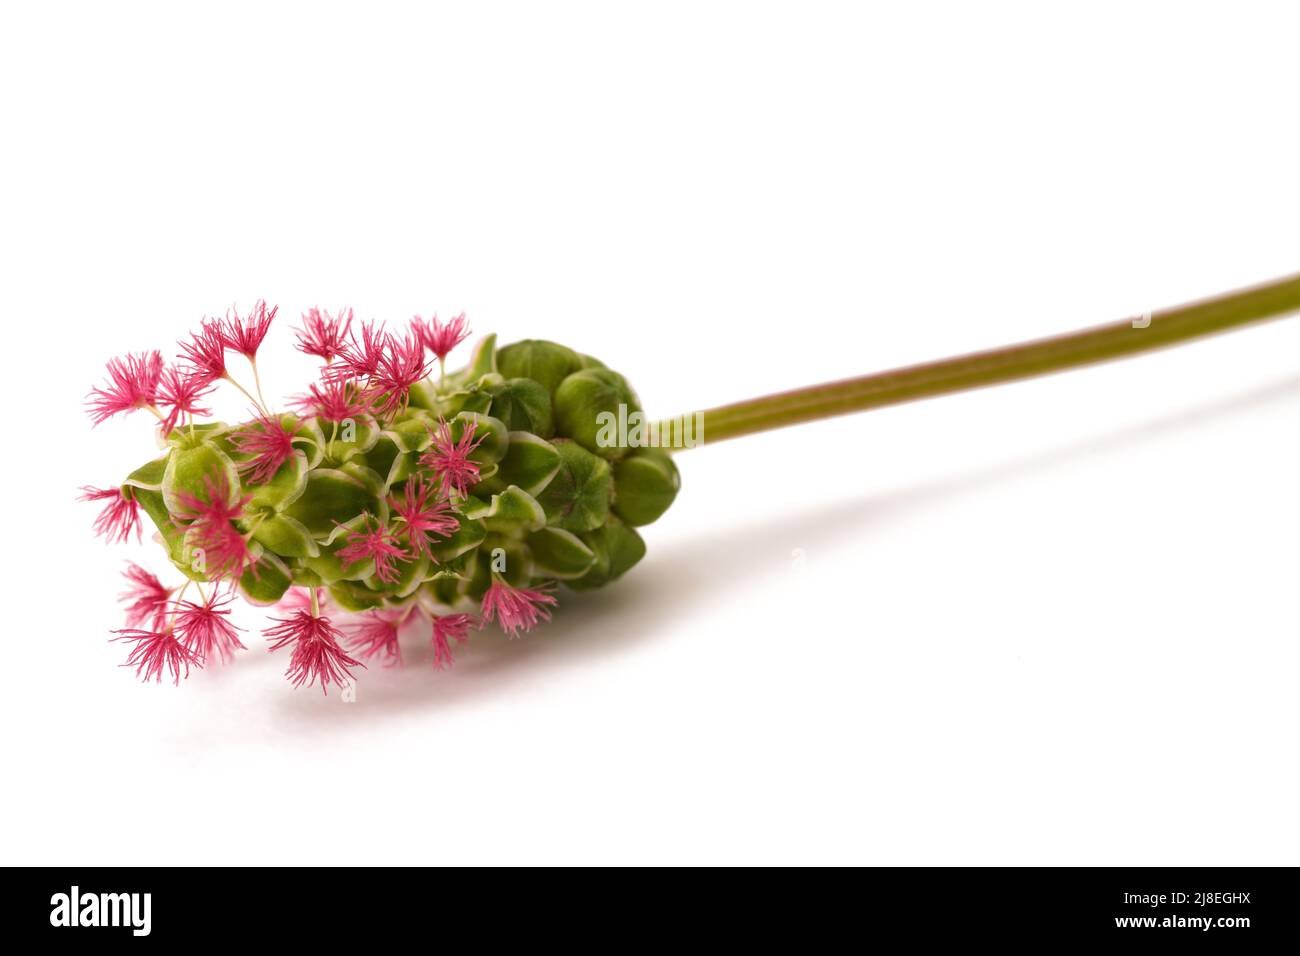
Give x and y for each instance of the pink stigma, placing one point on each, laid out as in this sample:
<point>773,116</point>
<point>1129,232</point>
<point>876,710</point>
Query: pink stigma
<point>146,599</point>
<point>316,654</point>
<point>204,629</point>
<point>269,445</point>
<point>245,335</point>
<point>515,609</point>
<point>447,628</point>
<point>132,383</point>
<point>322,335</point>
<point>422,518</point>
<point>156,651</point>
<point>120,516</point>
<point>378,543</point>
<point>440,339</point>
<point>449,459</point>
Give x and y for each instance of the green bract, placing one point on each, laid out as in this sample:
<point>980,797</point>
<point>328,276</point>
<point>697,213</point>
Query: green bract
<point>554,501</point>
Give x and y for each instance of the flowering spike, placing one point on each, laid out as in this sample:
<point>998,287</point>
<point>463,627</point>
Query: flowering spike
<point>375,633</point>
<point>317,655</point>
<point>204,629</point>
<point>120,516</point>
<point>514,609</point>
<point>446,628</point>
<point>268,442</point>
<point>206,351</point>
<point>449,459</point>
<point>180,390</point>
<point>245,335</point>
<point>146,599</point>
<point>378,543</point>
<point>210,516</point>
<point>440,339</point>
<point>324,335</point>
<point>422,518</point>
<point>156,651</point>
<point>132,383</point>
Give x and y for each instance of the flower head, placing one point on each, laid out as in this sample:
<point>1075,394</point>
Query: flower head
<point>210,516</point>
<point>132,383</point>
<point>425,512</point>
<point>375,633</point>
<point>269,445</point>
<point>180,390</point>
<point>448,458</point>
<point>324,335</point>
<point>205,629</point>
<point>206,351</point>
<point>156,651</point>
<point>440,339</point>
<point>333,401</point>
<point>446,628</point>
<point>316,654</point>
<point>514,609</point>
<point>377,542</point>
<point>120,516</point>
<point>245,335</point>
<point>146,599</point>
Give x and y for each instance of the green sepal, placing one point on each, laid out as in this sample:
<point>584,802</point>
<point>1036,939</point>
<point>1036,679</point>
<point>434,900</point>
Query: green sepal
<point>304,577</point>
<point>585,405</point>
<point>411,575</point>
<point>285,536</point>
<point>353,596</point>
<point>645,484</point>
<point>148,476</point>
<point>617,548</point>
<point>511,510</point>
<point>332,498</point>
<point>577,497</point>
<point>411,434</point>
<point>363,473</point>
<point>484,360</point>
<point>187,469</point>
<point>495,437</point>
<point>546,363</point>
<point>285,487</point>
<point>350,437</point>
<point>560,554</point>
<point>530,462</point>
<point>265,580</point>
<point>524,405</point>
<point>308,436</point>
<point>467,537</point>
<point>190,435</point>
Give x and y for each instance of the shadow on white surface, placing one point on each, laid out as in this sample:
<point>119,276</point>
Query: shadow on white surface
<point>680,576</point>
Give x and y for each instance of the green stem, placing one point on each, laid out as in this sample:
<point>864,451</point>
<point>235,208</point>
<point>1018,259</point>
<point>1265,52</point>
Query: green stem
<point>1117,340</point>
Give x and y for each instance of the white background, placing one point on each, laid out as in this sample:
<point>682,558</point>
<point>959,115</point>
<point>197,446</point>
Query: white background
<point>1052,622</point>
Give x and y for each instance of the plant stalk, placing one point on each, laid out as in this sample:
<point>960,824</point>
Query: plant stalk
<point>1151,331</point>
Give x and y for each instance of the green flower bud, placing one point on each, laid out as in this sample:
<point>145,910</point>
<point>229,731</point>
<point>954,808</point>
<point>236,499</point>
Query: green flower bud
<point>587,402</point>
<point>645,484</point>
<point>616,547</point>
<point>544,362</point>
<point>577,498</point>
<point>524,405</point>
